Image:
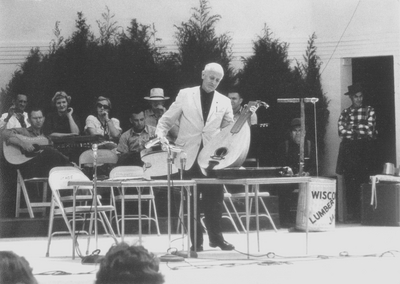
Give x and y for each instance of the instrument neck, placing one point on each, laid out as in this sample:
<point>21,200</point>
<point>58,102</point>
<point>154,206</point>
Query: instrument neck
<point>243,118</point>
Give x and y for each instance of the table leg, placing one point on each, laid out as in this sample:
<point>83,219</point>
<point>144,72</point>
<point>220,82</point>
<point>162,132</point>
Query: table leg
<point>169,211</point>
<point>256,188</point>
<point>182,209</point>
<point>140,214</point>
<point>194,216</point>
<point>73,222</point>
<point>246,189</point>
<point>188,219</point>
<point>122,214</point>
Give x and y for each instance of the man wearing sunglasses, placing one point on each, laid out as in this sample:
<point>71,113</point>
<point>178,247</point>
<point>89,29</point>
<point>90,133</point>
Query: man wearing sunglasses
<point>16,117</point>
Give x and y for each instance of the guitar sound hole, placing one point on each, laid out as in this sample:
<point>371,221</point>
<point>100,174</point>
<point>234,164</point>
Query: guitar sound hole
<point>220,153</point>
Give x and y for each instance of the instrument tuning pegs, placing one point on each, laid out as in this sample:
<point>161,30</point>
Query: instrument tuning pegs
<point>261,103</point>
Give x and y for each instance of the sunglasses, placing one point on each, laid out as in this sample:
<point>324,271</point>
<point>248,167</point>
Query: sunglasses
<point>103,106</point>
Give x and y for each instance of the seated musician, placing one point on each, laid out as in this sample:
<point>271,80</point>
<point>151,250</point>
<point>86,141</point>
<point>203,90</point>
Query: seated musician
<point>289,150</point>
<point>157,109</point>
<point>289,155</point>
<point>101,123</point>
<point>63,122</point>
<point>237,107</point>
<point>133,141</point>
<point>27,139</point>
<point>16,116</point>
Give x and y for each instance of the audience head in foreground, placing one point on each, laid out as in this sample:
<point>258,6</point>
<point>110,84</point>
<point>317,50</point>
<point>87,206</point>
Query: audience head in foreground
<point>125,264</point>
<point>15,269</point>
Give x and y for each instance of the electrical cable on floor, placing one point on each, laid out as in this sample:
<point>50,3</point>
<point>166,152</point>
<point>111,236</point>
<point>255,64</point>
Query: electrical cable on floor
<point>62,273</point>
<point>277,259</point>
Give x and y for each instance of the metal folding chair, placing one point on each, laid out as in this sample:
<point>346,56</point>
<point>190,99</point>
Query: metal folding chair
<point>252,194</point>
<point>22,189</point>
<point>126,173</point>
<point>69,199</point>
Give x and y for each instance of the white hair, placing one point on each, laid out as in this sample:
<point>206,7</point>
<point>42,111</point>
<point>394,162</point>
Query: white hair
<point>214,67</point>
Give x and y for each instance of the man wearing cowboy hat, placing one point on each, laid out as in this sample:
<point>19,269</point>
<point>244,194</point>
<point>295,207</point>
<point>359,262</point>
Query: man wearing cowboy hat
<point>153,114</point>
<point>357,129</point>
<point>157,101</point>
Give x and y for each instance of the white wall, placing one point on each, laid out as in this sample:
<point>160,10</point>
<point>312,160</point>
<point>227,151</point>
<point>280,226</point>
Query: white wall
<point>362,28</point>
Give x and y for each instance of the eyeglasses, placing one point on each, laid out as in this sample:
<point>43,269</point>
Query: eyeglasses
<point>99,105</point>
<point>22,101</point>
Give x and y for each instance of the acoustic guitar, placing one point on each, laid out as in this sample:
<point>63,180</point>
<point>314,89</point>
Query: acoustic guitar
<point>229,148</point>
<point>16,155</point>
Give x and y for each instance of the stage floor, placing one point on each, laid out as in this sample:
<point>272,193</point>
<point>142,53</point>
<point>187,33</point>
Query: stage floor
<point>347,254</point>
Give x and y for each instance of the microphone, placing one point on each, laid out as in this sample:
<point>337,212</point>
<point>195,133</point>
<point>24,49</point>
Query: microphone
<point>311,100</point>
<point>152,142</point>
<point>183,158</point>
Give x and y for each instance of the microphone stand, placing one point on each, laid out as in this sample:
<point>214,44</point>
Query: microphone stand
<point>169,257</point>
<point>302,101</point>
<point>169,165</point>
<point>94,148</point>
<point>183,164</point>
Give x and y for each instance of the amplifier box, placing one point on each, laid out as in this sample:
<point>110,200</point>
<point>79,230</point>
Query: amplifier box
<point>387,211</point>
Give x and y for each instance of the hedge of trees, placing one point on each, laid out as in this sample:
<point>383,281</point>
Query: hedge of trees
<point>125,63</point>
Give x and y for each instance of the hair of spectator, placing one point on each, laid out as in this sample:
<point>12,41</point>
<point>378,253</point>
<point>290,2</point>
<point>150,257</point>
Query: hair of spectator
<point>35,109</point>
<point>101,98</point>
<point>136,109</point>
<point>60,95</point>
<point>15,98</point>
<point>15,269</point>
<point>125,264</point>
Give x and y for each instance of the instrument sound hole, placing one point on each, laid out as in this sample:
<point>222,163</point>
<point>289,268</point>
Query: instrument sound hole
<point>220,153</point>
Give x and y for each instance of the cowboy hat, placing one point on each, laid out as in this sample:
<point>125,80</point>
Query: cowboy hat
<point>156,94</point>
<point>354,89</point>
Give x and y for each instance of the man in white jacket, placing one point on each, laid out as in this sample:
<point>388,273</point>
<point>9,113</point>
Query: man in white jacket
<point>201,112</point>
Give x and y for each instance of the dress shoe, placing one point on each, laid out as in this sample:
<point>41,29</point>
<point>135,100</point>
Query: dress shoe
<point>198,249</point>
<point>223,245</point>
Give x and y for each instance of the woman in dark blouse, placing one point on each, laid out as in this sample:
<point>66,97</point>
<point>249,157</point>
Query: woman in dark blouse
<point>63,122</point>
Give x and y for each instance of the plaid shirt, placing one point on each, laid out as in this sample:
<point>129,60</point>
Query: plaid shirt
<point>357,123</point>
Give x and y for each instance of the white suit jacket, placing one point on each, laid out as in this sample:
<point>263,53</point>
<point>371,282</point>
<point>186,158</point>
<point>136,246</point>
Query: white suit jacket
<point>192,131</point>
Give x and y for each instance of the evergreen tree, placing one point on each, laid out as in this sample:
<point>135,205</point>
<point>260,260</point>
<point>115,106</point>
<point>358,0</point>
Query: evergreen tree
<point>198,44</point>
<point>121,65</point>
<point>309,72</point>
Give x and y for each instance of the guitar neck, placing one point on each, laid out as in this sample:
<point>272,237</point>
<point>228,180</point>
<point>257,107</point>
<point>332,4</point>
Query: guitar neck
<point>40,140</point>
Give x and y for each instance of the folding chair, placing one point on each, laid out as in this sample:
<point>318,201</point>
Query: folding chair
<point>133,172</point>
<point>66,196</point>
<point>251,195</point>
<point>228,215</point>
<point>31,207</point>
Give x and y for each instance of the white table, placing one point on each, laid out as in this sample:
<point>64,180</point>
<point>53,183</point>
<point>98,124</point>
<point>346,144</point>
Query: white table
<point>184,184</point>
<point>306,180</point>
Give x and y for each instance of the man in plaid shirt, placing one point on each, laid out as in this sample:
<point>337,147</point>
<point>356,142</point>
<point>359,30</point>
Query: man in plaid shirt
<point>356,128</point>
